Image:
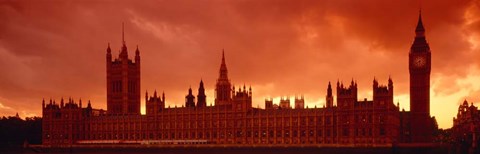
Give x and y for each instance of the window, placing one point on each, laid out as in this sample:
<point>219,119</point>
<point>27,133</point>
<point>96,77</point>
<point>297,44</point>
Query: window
<point>327,120</point>
<point>345,132</point>
<point>239,133</point>
<point>381,119</point>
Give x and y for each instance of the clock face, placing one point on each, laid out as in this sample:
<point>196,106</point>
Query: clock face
<point>419,61</point>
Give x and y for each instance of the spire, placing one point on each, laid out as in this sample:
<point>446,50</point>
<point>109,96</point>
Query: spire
<point>223,56</point>
<point>123,34</point>
<point>146,95</point>
<point>163,96</point>
<point>420,30</point>
<point>123,52</point>
<point>329,89</point>
<point>201,97</point>
<point>223,67</point>
<point>109,51</point>
<point>420,43</point>
<point>89,105</point>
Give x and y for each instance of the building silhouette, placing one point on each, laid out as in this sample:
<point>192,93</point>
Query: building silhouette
<point>417,126</point>
<point>233,120</point>
<point>466,127</point>
<point>123,82</point>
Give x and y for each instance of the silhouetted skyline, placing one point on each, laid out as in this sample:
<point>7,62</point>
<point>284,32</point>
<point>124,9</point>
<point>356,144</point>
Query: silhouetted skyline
<point>280,48</point>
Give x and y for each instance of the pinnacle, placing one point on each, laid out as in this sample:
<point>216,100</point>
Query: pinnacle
<point>420,23</point>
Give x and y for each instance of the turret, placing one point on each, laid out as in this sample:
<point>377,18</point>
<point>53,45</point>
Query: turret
<point>137,54</point>
<point>137,58</point>
<point>390,85</point>
<point>109,52</point>
<point>285,103</point>
<point>250,91</point>
<point>146,96</point>
<point>223,87</point>
<point>201,97</point>
<point>269,103</point>
<point>346,96</point>
<point>383,94</point>
<point>329,97</point>
<point>89,105</point>
<point>190,99</point>
<point>299,102</point>
<point>163,97</point>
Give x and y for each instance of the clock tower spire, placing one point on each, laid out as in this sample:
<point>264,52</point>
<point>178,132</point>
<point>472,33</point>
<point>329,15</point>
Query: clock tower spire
<point>419,67</point>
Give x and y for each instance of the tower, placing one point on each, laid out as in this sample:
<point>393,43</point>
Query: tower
<point>223,88</point>
<point>299,102</point>
<point>154,104</point>
<point>190,99</point>
<point>329,98</point>
<point>419,68</point>
<point>123,82</point>
<point>201,97</point>
<point>383,94</point>
<point>346,96</point>
<point>269,103</point>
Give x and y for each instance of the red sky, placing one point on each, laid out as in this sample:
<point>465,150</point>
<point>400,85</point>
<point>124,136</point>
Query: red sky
<point>54,49</point>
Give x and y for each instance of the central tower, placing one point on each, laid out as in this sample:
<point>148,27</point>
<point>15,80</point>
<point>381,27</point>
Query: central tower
<point>123,82</point>
<point>419,67</point>
<point>223,88</point>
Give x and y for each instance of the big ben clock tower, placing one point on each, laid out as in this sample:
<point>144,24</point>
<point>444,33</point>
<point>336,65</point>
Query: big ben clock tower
<point>419,65</point>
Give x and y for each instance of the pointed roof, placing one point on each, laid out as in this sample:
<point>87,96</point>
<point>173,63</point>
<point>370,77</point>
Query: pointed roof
<point>223,67</point>
<point>329,89</point>
<point>420,43</point>
<point>420,27</point>
<point>108,48</point>
<point>123,34</point>
<point>123,52</point>
<point>201,83</point>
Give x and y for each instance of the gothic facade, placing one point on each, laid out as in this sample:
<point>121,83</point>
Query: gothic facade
<point>123,82</point>
<point>232,119</point>
<point>466,126</point>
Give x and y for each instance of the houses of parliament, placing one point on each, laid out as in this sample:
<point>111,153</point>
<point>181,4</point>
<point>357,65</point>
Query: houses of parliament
<point>343,121</point>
